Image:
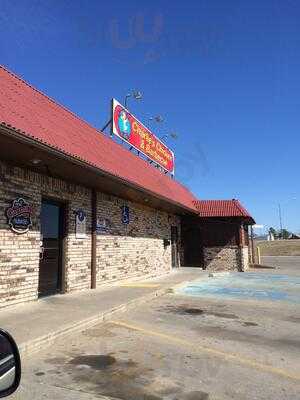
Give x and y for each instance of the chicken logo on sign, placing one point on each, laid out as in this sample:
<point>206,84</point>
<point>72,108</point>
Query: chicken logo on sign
<point>19,216</point>
<point>124,125</point>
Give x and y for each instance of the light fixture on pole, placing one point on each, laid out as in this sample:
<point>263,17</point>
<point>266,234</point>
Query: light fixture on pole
<point>280,218</point>
<point>136,94</point>
<point>280,215</point>
<point>157,118</point>
<point>172,135</point>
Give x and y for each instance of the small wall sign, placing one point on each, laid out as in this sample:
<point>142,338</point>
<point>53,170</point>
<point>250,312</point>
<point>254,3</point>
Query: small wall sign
<point>125,215</point>
<point>19,216</point>
<point>103,225</point>
<point>80,229</point>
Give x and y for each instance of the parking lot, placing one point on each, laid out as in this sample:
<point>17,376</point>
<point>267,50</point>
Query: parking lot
<point>180,346</point>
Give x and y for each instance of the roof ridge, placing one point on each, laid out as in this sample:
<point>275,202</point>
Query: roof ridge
<point>222,208</point>
<point>229,200</point>
<point>239,206</point>
<point>49,98</point>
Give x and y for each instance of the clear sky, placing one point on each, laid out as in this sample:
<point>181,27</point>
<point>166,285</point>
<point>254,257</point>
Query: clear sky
<point>223,74</point>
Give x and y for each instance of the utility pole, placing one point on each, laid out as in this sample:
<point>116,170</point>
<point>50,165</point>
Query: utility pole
<point>280,219</point>
<point>135,94</point>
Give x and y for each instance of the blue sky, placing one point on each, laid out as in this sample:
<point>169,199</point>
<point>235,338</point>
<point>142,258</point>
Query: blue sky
<point>224,74</point>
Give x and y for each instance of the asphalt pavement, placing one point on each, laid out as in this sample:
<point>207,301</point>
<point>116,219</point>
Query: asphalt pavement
<point>177,347</point>
<point>284,264</point>
<point>38,324</point>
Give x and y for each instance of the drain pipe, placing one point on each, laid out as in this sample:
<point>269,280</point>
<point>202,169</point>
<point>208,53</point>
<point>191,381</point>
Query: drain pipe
<point>94,239</point>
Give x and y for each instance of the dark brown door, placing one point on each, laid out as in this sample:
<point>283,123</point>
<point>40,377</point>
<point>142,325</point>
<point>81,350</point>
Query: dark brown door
<point>174,246</point>
<point>52,215</point>
<point>193,251</point>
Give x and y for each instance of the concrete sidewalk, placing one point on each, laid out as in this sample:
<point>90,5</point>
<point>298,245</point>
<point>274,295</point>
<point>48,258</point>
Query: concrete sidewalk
<point>37,324</point>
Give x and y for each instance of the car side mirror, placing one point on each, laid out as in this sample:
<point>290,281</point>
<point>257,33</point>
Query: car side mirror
<point>10,365</point>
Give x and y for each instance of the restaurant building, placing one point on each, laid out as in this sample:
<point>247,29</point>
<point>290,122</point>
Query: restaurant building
<point>78,210</point>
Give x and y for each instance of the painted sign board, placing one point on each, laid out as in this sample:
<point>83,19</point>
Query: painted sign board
<point>19,216</point>
<point>132,131</point>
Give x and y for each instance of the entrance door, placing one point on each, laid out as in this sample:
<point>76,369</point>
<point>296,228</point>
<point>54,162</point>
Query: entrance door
<point>193,250</point>
<point>174,246</point>
<point>52,216</point>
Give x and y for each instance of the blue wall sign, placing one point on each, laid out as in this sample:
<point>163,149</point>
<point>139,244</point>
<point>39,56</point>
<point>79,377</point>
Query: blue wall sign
<point>125,215</point>
<point>103,225</point>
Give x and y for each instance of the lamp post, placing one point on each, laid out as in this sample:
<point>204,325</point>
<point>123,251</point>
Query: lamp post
<point>172,135</point>
<point>136,94</point>
<point>280,218</point>
<point>280,214</point>
<point>157,118</point>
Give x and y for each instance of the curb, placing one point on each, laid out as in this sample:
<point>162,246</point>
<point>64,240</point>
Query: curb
<point>44,341</point>
<point>262,266</point>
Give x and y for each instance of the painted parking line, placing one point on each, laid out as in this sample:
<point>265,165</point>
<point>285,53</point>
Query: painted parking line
<point>139,285</point>
<point>209,350</point>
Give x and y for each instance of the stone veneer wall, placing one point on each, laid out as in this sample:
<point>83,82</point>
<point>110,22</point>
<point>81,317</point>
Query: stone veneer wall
<point>123,252</point>
<point>222,258</point>
<point>245,254</point>
<point>231,258</point>
<point>136,249</point>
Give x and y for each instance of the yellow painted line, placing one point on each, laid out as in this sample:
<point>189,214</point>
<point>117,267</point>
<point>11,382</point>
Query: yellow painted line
<point>215,352</point>
<point>139,285</point>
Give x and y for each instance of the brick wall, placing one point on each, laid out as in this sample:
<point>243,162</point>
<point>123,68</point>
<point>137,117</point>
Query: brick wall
<point>19,254</point>
<point>124,251</point>
<point>136,249</point>
<point>245,255</point>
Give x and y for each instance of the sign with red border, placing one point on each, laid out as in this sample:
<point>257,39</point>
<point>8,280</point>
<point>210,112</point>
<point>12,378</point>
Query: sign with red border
<point>132,131</point>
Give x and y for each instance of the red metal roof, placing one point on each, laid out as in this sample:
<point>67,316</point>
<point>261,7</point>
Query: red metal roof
<point>42,119</point>
<point>221,208</point>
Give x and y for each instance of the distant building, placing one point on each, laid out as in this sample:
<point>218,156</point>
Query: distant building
<point>294,236</point>
<point>262,237</point>
<point>270,237</point>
